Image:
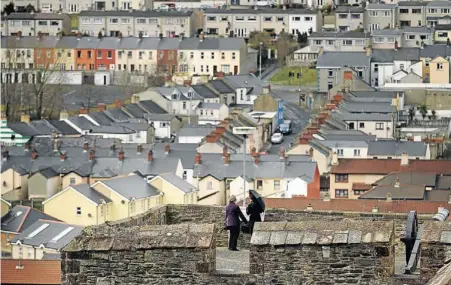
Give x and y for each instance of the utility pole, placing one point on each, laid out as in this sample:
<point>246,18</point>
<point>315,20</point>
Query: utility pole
<point>260,68</point>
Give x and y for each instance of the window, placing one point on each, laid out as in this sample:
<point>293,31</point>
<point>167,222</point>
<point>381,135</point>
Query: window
<point>341,193</point>
<point>201,55</point>
<point>25,23</point>
<point>132,206</point>
<point>279,19</point>
<point>355,16</point>
<point>239,18</point>
<point>141,21</point>
<point>361,125</point>
<point>341,178</point>
<point>410,37</point>
<point>89,54</point>
<point>114,21</point>
<point>379,126</point>
<point>359,42</point>
<point>267,19</point>
<point>184,68</point>
<point>432,11</point>
<point>129,54</point>
<point>49,54</point>
<point>233,55</point>
<point>330,42</point>
<point>356,152</point>
<point>343,16</point>
<point>347,42</point>
<point>296,19</point>
<point>439,66</point>
<point>351,126</point>
<point>251,18</point>
<point>201,112</point>
<point>42,23</point>
<point>276,184</point>
<point>373,13</point>
<point>222,55</point>
<point>416,11</point>
<point>318,42</point>
<point>308,19</point>
<point>109,54</point>
<point>72,180</point>
<point>224,19</point>
<point>401,66</point>
<point>125,20</point>
<point>330,73</point>
<point>210,185</point>
<point>359,192</point>
<point>54,23</point>
<point>140,55</point>
<point>387,13</point>
<point>404,11</point>
<point>445,11</point>
<point>78,211</point>
<point>227,183</point>
<point>259,184</point>
<point>99,54</point>
<point>211,18</point>
<point>212,55</point>
<point>340,152</point>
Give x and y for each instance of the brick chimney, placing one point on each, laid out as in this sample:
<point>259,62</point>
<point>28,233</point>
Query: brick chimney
<point>92,154</point>
<point>85,146</point>
<point>198,159</point>
<point>167,148</point>
<point>34,154</point>
<point>211,138</point>
<point>121,155</point>
<point>220,130</point>
<point>55,145</point>
<point>150,155</point>
<point>334,158</point>
<point>227,159</point>
<point>310,152</point>
<point>26,147</point>
<point>83,111</point>
<point>257,159</point>
<point>282,153</point>
<point>101,107</point>
<point>225,151</point>
<point>54,135</point>
<point>118,103</point>
<point>63,156</point>
<point>303,140</point>
<point>19,34</point>
<point>404,159</point>
<point>253,151</point>
<point>139,148</point>
<point>397,183</point>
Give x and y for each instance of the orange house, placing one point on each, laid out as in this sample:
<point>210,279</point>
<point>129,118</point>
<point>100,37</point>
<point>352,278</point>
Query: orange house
<point>44,52</point>
<point>85,53</point>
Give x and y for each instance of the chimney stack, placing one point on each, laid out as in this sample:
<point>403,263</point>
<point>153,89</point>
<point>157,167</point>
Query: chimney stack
<point>113,147</point>
<point>64,115</point>
<point>121,155</point>
<point>118,103</point>
<point>397,183</point>
<point>55,145</point>
<point>167,148</point>
<point>63,156</point>
<point>334,158</point>
<point>85,146</point>
<point>54,135</point>
<point>5,154</point>
<point>19,34</point>
<point>101,107</point>
<point>282,153</point>
<point>92,154</point>
<point>404,159</point>
<point>26,147</point>
<point>150,155</point>
<point>257,159</point>
<point>310,152</point>
<point>119,35</point>
<point>253,151</point>
<point>225,151</point>
<point>388,197</point>
<point>34,154</point>
<point>369,51</point>
<point>201,36</point>
<point>198,159</point>
<point>139,148</point>
<point>227,159</point>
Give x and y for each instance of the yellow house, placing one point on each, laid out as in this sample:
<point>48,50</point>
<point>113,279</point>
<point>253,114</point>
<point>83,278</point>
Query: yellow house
<point>72,178</point>
<point>439,70</point>
<point>130,196</point>
<point>174,189</point>
<point>79,205</point>
<point>43,184</point>
<point>65,53</point>
<point>14,184</point>
<point>212,191</point>
<point>442,33</point>
<point>5,207</point>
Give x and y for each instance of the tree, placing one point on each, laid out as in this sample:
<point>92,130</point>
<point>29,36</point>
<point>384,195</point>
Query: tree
<point>423,110</point>
<point>8,9</point>
<point>434,114</point>
<point>255,38</point>
<point>33,87</point>
<point>411,113</point>
<point>284,45</point>
<point>30,8</point>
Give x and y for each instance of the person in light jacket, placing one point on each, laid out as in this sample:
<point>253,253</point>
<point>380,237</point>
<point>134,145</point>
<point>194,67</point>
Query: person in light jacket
<point>232,222</point>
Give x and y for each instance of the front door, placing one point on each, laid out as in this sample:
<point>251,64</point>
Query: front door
<point>235,70</point>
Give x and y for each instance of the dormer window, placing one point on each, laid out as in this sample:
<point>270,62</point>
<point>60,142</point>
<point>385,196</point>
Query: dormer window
<point>174,97</point>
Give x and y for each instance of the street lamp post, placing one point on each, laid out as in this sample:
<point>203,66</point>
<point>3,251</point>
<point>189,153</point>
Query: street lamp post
<point>245,131</point>
<point>260,55</point>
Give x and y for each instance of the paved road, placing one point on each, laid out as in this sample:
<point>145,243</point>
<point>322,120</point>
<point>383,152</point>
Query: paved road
<point>293,112</point>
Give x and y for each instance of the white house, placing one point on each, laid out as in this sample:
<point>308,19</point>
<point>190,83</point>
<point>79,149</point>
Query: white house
<point>125,134</point>
<point>380,125</point>
<point>162,124</point>
<point>212,113</point>
<point>194,134</point>
<point>296,187</point>
<point>236,186</point>
<point>302,23</point>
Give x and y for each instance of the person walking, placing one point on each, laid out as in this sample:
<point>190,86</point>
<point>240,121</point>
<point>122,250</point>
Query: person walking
<point>254,209</point>
<point>232,222</point>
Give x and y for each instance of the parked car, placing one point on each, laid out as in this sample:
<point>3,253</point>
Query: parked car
<point>277,138</point>
<point>285,127</point>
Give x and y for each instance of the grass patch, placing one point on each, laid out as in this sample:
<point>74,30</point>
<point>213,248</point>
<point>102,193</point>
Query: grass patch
<point>308,77</point>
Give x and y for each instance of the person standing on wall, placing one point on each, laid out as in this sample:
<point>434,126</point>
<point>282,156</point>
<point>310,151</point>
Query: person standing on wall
<point>232,222</point>
<point>254,209</point>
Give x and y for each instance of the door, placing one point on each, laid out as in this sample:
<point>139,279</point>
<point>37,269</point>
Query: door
<point>215,69</point>
<point>235,70</point>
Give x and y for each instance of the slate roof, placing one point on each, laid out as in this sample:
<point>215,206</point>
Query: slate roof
<point>159,117</point>
<point>42,127</point>
<point>364,107</point>
<point>221,87</point>
<point>132,186</point>
<point>342,59</point>
<point>432,4</point>
<point>253,83</point>
<point>215,106</point>
<point>113,129</point>
<point>412,3</point>
<point>380,6</point>
<point>178,182</point>
<point>135,110</point>
<point>36,16</point>
<point>23,129</point>
<point>34,271</point>
<point>90,193</point>
<point>373,94</point>
<point>271,169</point>
<point>395,148</point>
<point>260,11</point>
<point>47,172</point>
<point>390,55</point>
<point>349,9</point>
<point>197,131</point>
<point>366,117</point>
<point>403,192</point>
<point>386,32</point>
<point>409,178</point>
<point>81,122</point>
<point>151,107</point>
<point>322,232</point>
<point>45,236</point>
<point>435,50</point>
<point>204,91</point>
<point>346,35</point>
<point>409,30</point>
<point>117,115</point>
<point>101,118</point>
<point>444,182</point>
<point>20,218</point>
<point>63,127</point>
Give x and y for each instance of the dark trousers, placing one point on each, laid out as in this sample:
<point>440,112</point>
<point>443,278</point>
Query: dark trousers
<point>234,234</point>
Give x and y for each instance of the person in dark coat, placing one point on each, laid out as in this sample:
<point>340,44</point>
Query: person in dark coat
<point>253,210</point>
<point>232,222</point>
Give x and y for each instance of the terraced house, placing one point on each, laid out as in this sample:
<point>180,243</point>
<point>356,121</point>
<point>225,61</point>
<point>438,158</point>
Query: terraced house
<point>187,56</point>
<point>135,23</point>
<point>48,24</point>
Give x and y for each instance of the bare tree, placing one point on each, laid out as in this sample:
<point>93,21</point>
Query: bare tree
<point>31,80</point>
<point>285,45</point>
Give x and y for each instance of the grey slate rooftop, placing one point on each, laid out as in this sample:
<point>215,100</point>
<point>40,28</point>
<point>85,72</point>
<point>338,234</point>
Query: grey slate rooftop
<point>260,11</point>
<point>390,55</point>
<point>409,178</point>
<point>90,193</point>
<point>395,148</point>
<point>322,232</point>
<point>403,192</point>
<point>135,13</point>
<point>132,186</point>
<point>351,34</point>
<point>342,59</point>
<point>20,218</point>
<point>349,9</point>
<point>178,182</point>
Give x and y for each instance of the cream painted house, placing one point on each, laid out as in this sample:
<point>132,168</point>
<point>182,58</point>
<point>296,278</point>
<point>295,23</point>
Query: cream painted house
<point>439,71</point>
<point>212,191</point>
<point>72,178</point>
<point>43,184</point>
<point>14,184</point>
<point>174,189</point>
<point>43,237</point>
<point>236,187</point>
<point>5,207</point>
